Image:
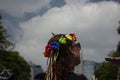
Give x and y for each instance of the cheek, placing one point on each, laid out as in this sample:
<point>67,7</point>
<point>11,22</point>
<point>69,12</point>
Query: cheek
<point>77,58</point>
<point>77,54</point>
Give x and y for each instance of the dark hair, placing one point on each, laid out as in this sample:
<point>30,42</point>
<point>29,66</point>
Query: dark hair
<point>62,65</point>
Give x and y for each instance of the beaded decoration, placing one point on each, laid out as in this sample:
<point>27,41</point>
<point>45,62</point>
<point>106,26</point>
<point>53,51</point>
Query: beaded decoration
<point>54,46</point>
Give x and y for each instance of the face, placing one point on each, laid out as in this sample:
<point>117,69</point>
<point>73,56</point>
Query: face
<point>75,57</point>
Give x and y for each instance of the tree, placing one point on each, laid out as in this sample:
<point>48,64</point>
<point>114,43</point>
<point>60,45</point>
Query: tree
<point>10,59</point>
<point>4,43</point>
<point>109,70</point>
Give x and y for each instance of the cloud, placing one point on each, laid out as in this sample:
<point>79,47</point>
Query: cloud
<point>13,31</point>
<point>20,7</point>
<point>94,23</point>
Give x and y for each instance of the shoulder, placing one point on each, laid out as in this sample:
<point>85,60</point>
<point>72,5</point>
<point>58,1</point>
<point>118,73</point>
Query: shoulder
<point>40,76</point>
<point>83,77</point>
<point>73,76</point>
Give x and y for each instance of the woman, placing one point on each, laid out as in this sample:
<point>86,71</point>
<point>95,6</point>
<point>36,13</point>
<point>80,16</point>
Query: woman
<point>63,55</point>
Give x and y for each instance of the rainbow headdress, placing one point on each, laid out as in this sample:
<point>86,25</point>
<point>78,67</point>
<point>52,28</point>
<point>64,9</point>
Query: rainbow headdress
<point>52,52</point>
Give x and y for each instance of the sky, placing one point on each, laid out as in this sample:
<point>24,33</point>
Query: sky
<point>29,24</point>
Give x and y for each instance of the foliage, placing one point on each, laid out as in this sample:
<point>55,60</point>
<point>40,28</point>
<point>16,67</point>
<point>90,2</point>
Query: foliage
<point>11,59</point>
<point>108,70</point>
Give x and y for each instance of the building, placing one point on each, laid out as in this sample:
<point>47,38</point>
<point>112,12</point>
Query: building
<point>87,68</point>
<point>35,70</point>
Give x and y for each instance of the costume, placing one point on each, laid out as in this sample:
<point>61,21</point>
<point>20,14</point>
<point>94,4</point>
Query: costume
<point>61,59</point>
<point>71,76</point>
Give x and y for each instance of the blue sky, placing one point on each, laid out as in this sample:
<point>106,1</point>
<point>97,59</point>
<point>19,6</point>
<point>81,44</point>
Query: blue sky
<point>30,23</point>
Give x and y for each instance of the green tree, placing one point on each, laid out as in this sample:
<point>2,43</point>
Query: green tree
<point>10,59</point>
<point>108,70</point>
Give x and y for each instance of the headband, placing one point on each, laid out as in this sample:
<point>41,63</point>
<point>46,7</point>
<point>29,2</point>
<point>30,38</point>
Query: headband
<point>54,45</point>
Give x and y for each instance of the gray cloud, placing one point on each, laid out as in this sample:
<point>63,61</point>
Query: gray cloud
<point>18,8</point>
<point>94,23</point>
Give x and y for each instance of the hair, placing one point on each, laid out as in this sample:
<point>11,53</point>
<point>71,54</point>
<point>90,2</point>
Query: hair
<point>59,69</point>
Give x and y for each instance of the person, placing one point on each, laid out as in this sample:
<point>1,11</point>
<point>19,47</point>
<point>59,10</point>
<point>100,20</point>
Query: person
<point>63,55</point>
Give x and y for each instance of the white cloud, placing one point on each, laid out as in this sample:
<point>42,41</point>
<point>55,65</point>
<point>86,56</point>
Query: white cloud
<point>94,23</point>
<point>17,8</point>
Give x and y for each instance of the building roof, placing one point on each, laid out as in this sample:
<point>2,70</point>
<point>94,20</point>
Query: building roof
<point>5,74</point>
<point>113,59</point>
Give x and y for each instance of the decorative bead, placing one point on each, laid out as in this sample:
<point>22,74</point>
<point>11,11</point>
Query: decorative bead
<point>62,40</point>
<point>68,37</point>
